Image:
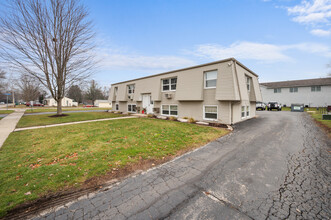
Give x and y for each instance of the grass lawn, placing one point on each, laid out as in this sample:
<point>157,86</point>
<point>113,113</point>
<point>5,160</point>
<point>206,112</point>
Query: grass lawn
<point>325,123</point>
<point>43,109</point>
<point>6,111</point>
<point>37,120</point>
<point>48,160</point>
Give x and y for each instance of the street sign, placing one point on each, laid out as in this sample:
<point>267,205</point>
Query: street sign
<point>7,94</point>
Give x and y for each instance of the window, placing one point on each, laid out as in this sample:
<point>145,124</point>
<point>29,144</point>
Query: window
<point>132,108</point>
<point>295,89</point>
<point>116,90</point>
<point>210,79</point>
<point>316,88</point>
<point>169,84</point>
<point>117,106</point>
<point>131,89</point>
<point>170,110</point>
<point>248,83</point>
<point>277,90</point>
<point>243,111</point>
<point>210,112</point>
<point>247,111</point>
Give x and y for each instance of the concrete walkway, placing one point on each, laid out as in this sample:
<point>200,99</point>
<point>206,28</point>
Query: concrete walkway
<point>8,124</point>
<point>72,123</point>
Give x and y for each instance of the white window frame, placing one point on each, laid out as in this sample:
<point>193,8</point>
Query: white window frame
<point>243,111</point>
<point>132,108</point>
<point>314,89</point>
<point>170,84</point>
<point>169,110</point>
<point>204,113</point>
<point>131,90</point>
<point>277,90</point>
<point>205,80</point>
<point>294,89</point>
<point>117,107</point>
<point>248,111</point>
<point>248,83</point>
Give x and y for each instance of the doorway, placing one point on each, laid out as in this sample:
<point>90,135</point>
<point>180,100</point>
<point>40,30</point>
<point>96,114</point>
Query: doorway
<point>148,104</point>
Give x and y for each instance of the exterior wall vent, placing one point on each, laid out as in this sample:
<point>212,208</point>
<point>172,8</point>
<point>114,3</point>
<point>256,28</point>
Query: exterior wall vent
<point>168,96</point>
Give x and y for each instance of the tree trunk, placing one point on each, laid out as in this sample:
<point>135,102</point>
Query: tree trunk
<point>59,107</point>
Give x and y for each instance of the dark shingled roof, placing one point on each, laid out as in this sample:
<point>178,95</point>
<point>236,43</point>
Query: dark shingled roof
<point>299,83</point>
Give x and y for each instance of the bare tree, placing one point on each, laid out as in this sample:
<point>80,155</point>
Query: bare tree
<point>29,88</point>
<point>94,92</point>
<point>51,40</point>
<point>2,80</point>
<point>75,93</point>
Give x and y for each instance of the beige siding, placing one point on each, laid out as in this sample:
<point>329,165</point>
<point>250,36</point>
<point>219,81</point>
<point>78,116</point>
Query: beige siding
<point>111,94</point>
<point>257,90</point>
<point>121,93</point>
<point>190,83</point>
<point>226,88</point>
<point>241,72</point>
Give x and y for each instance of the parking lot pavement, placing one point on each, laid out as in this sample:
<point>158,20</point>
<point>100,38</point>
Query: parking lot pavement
<point>276,166</point>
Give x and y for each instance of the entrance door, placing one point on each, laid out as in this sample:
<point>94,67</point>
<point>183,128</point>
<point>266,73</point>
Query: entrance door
<point>148,103</point>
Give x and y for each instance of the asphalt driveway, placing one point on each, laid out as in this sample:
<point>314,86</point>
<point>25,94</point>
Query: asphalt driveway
<point>276,166</point>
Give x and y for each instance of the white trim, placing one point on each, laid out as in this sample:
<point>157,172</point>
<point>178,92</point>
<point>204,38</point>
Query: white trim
<point>241,111</point>
<point>161,113</point>
<point>170,90</point>
<point>204,79</point>
<point>127,108</point>
<point>204,112</point>
<point>134,88</point>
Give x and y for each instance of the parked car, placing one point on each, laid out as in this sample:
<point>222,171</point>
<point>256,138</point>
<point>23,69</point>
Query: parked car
<point>35,104</point>
<point>260,106</point>
<point>274,105</point>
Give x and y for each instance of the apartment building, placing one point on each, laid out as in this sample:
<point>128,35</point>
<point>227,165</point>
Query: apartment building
<point>310,92</point>
<point>224,91</point>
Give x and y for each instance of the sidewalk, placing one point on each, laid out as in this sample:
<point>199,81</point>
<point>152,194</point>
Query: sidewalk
<point>8,124</point>
<point>71,123</point>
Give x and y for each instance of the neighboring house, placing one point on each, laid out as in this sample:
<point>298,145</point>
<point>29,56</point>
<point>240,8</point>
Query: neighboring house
<point>310,92</point>
<point>102,103</point>
<point>223,91</point>
<point>66,102</point>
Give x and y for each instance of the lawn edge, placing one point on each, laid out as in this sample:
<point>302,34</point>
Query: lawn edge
<point>321,125</point>
<point>96,184</point>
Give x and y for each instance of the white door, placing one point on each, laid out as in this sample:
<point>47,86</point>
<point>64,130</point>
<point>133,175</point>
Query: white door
<point>148,103</point>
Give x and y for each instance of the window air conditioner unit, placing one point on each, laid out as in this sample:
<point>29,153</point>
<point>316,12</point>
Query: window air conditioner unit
<point>168,96</point>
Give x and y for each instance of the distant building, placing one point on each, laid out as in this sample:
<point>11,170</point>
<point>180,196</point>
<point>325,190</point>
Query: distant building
<point>102,103</point>
<point>66,102</point>
<point>310,92</point>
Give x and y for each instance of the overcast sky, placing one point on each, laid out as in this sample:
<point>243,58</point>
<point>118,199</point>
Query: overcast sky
<point>279,40</point>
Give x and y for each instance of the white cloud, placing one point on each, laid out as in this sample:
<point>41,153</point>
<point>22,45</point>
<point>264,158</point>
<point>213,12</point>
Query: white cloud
<point>259,51</point>
<point>111,59</point>
<point>320,32</point>
<point>243,50</point>
<point>311,12</point>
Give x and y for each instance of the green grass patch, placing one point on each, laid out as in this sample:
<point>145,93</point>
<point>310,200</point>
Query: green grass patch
<point>6,111</point>
<point>318,117</point>
<point>38,120</point>
<point>43,109</point>
<point>48,160</point>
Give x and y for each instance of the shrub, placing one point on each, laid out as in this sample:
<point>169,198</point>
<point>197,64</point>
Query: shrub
<point>150,116</point>
<point>172,118</point>
<point>185,117</point>
<point>191,120</point>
